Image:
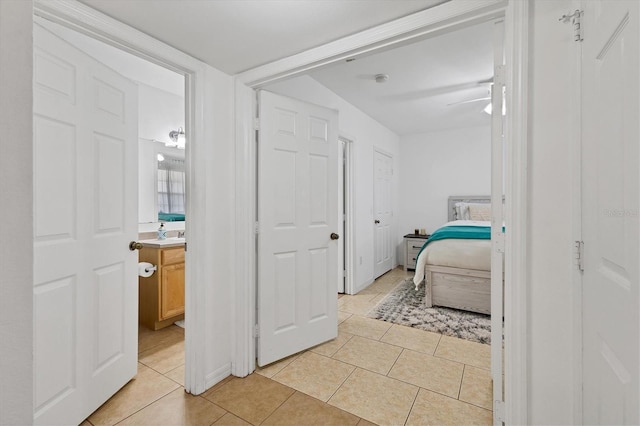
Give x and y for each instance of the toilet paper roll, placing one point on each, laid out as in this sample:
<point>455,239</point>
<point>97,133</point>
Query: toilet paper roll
<point>146,269</point>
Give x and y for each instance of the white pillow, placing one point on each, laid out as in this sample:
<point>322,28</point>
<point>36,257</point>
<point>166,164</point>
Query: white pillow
<point>479,211</point>
<point>462,211</point>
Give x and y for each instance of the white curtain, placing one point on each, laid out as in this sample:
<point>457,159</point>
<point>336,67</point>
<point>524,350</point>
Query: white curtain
<point>171,185</point>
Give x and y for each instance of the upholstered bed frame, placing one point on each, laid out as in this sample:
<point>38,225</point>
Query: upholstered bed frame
<point>459,288</point>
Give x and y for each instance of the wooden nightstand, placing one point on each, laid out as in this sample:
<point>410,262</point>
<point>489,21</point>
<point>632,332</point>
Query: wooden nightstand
<point>412,243</point>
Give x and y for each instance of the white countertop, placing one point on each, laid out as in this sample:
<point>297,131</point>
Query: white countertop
<point>169,242</point>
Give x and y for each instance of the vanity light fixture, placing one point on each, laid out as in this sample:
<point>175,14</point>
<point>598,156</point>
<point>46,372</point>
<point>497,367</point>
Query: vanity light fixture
<point>177,138</point>
<point>160,157</point>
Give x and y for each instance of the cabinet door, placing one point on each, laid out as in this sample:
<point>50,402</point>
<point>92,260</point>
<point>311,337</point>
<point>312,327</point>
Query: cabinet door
<point>172,291</point>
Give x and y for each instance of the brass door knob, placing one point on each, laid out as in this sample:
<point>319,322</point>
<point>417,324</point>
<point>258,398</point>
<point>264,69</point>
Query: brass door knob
<point>334,236</point>
<point>135,245</point>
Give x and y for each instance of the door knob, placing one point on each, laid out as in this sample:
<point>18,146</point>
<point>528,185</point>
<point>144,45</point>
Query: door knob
<point>376,221</point>
<point>135,245</point>
<point>334,236</point>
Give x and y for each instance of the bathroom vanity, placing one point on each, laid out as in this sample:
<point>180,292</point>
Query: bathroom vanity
<point>161,296</point>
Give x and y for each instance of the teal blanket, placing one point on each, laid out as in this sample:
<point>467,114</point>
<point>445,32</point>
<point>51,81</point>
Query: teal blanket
<point>459,232</point>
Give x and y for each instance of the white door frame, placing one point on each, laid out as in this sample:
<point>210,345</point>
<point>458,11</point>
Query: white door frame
<point>348,197</point>
<point>445,17</point>
<point>88,21</point>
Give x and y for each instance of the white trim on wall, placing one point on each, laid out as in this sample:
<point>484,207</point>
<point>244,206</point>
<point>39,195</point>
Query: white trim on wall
<point>516,195</point>
<point>86,20</point>
<point>446,17</point>
<point>349,208</point>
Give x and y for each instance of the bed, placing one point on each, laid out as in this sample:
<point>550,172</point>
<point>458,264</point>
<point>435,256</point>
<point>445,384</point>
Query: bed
<point>455,263</point>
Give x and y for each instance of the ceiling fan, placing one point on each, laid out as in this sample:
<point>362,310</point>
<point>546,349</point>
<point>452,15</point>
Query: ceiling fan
<point>489,82</point>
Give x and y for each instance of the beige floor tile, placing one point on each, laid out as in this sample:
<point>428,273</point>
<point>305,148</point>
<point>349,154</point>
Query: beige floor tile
<point>365,327</point>
<point>147,387</point>
<point>177,375</point>
<point>477,388</point>
<point>434,409</point>
<point>177,408</point>
<point>148,339</point>
<point>315,375</point>
<point>375,397</point>
<point>252,398</point>
<point>369,354</point>
<point>302,409</point>
<point>429,372</point>
<point>412,338</point>
<point>464,351</point>
<point>231,420</point>
<point>358,305</point>
<point>332,346</point>
<point>342,316</point>
<point>364,422</point>
<point>164,358</point>
<point>275,367</point>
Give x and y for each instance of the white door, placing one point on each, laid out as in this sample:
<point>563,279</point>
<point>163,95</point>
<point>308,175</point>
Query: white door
<point>610,212</point>
<point>85,194</point>
<point>382,212</point>
<point>297,214</point>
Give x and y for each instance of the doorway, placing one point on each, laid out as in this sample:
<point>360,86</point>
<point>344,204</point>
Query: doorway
<point>516,17</point>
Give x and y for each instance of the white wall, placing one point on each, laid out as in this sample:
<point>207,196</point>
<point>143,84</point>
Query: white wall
<point>434,166</point>
<point>159,112</point>
<point>366,134</point>
<point>16,226</point>
<point>550,288</point>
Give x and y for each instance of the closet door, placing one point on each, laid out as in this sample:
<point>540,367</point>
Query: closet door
<point>610,212</point>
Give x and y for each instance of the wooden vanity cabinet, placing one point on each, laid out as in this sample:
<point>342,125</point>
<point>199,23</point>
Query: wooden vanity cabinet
<point>161,296</point>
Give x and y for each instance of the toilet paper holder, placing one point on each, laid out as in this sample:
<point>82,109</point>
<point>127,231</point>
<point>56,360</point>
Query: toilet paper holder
<point>151,268</point>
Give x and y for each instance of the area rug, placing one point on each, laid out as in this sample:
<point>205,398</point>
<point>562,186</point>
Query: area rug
<point>405,306</point>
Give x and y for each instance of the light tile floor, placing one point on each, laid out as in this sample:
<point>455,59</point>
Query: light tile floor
<point>373,373</point>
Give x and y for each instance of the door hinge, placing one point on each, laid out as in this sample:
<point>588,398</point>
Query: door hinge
<point>498,411</point>
<point>256,124</point>
<point>256,228</point>
<point>575,19</point>
<point>344,273</point>
<point>579,255</point>
<point>185,246</point>
<point>499,79</point>
<point>256,330</point>
<point>498,241</point>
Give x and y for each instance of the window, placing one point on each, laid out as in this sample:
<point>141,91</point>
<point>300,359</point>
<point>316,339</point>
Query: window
<point>171,185</point>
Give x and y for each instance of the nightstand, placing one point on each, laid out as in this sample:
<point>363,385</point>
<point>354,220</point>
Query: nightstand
<point>412,243</point>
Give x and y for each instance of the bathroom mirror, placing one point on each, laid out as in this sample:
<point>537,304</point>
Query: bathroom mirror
<point>161,182</point>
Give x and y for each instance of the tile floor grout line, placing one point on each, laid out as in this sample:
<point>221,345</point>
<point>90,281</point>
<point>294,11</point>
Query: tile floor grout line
<point>464,368</point>
<point>395,362</point>
<point>281,404</point>
<point>415,398</point>
<point>338,388</point>
<point>152,402</point>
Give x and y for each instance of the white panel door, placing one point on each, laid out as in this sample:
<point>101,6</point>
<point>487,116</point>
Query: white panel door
<point>85,195</point>
<point>382,212</point>
<point>297,213</point>
<point>610,212</point>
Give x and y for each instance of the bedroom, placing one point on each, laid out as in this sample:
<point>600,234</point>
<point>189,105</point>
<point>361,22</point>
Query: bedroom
<point>428,119</point>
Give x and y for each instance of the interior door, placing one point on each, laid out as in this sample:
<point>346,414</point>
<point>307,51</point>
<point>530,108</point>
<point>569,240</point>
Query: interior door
<point>85,185</point>
<point>382,212</point>
<point>610,190</point>
<point>298,212</point>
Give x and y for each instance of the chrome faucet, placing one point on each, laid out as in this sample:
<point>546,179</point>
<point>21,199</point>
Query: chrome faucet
<point>180,234</point>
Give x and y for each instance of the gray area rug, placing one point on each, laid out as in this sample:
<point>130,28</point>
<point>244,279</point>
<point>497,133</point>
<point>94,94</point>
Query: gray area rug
<point>405,306</point>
